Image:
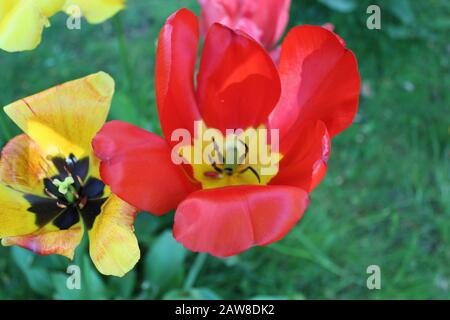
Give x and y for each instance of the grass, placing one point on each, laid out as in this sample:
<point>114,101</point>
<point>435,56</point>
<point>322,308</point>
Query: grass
<point>385,200</point>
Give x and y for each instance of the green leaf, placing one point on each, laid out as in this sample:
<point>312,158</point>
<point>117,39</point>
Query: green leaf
<point>38,281</point>
<point>264,297</point>
<point>193,294</point>
<point>204,294</point>
<point>124,109</point>
<point>402,10</point>
<point>164,264</point>
<point>37,277</point>
<point>59,281</point>
<point>22,258</point>
<point>92,282</point>
<point>123,287</point>
<point>343,6</point>
<point>92,285</point>
<point>178,294</point>
<point>145,227</point>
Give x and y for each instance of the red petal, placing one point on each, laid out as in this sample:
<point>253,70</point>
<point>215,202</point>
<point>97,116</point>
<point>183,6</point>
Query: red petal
<point>137,165</point>
<point>227,221</point>
<point>272,17</point>
<point>175,66</point>
<point>306,154</point>
<point>330,27</point>
<point>320,81</point>
<point>238,84</point>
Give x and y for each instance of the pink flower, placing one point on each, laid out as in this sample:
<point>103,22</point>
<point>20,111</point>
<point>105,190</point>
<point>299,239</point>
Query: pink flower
<point>263,20</point>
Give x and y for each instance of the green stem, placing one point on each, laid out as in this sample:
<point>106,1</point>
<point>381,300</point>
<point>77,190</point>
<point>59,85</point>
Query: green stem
<point>195,270</point>
<point>82,249</point>
<point>6,130</point>
<point>124,57</point>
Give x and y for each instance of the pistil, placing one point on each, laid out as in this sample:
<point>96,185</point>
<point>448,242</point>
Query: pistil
<point>67,188</point>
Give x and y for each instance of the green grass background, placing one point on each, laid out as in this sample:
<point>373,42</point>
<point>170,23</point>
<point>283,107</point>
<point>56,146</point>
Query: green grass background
<point>385,200</point>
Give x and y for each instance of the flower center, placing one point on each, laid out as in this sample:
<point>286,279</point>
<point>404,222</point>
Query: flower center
<point>67,188</point>
<point>71,194</point>
<point>72,187</point>
<point>237,158</point>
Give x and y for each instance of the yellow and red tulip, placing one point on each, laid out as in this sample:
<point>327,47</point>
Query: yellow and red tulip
<point>50,187</point>
<point>311,97</point>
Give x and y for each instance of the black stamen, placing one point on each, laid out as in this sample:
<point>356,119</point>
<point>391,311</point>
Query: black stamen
<point>216,148</point>
<point>214,165</point>
<point>244,156</point>
<point>253,171</point>
<point>228,171</point>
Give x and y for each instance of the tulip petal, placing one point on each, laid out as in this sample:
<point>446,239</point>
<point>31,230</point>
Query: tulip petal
<point>45,242</point>
<point>113,246</point>
<point>175,66</point>
<point>23,165</point>
<point>137,165</point>
<point>272,17</point>
<point>97,11</point>
<point>64,119</point>
<point>237,15</point>
<point>227,221</point>
<point>50,7</point>
<point>21,25</point>
<point>263,20</point>
<point>14,215</point>
<point>320,81</point>
<point>213,11</point>
<point>306,154</point>
<point>238,84</point>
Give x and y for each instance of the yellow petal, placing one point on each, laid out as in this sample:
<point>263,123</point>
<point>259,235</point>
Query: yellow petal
<point>50,7</point>
<point>97,11</point>
<point>21,25</point>
<point>65,118</point>
<point>23,165</point>
<point>113,245</point>
<point>45,242</point>
<point>14,217</point>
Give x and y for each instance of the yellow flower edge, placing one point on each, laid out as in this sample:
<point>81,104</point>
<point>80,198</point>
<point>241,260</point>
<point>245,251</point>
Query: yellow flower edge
<point>96,11</point>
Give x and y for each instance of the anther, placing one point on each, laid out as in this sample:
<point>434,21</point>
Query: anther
<point>60,205</point>
<point>82,203</point>
<point>51,195</point>
<point>80,181</point>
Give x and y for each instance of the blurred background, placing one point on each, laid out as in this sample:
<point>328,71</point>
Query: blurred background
<point>385,200</point>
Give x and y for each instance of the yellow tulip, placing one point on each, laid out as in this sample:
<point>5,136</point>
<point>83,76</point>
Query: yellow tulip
<point>22,22</point>
<point>96,11</point>
<point>50,7</point>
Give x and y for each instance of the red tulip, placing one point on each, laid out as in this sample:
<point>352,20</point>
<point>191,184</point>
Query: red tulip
<point>226,209</point>
<point>264,20</point>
